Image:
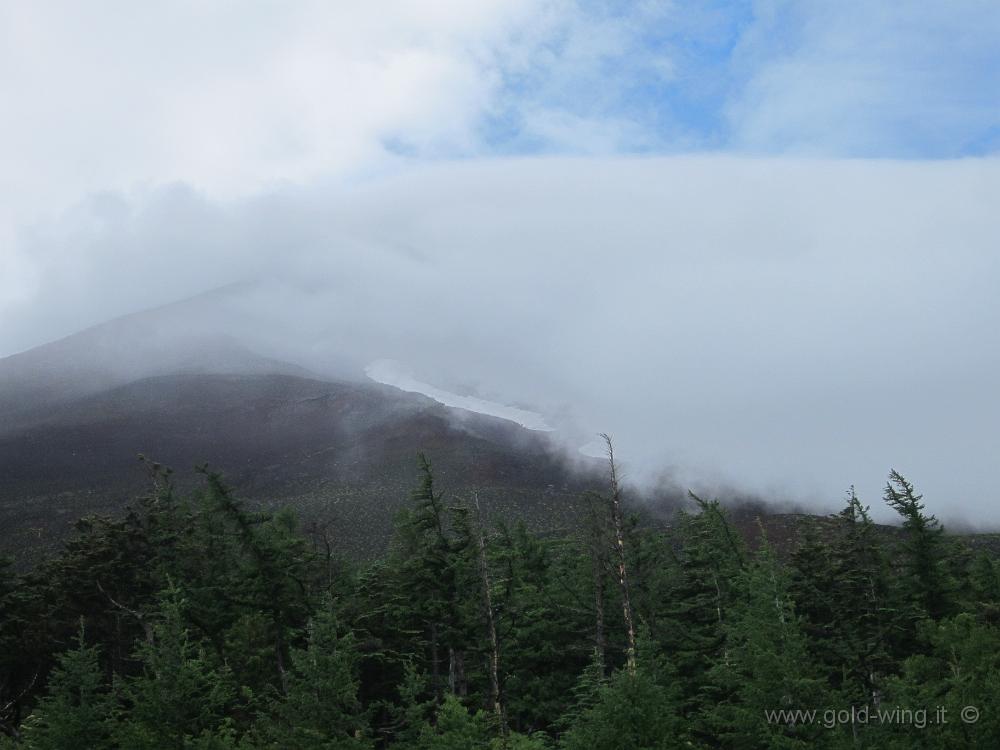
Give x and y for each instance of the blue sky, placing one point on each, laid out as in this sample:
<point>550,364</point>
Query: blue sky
<point>664,73</point>
<point>232,99</point>
<point>844,79</point>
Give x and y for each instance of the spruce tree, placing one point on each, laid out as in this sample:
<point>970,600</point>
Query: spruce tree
<point>983,586</point>
<point>321,707</point>
<point>630,711</point>
<point>430,565</point>
<point>765,666</point>
<point>924,552</point>
<point>709,562</point>
<point>545,621</point>
<point>77,708</point>
<point>182,693</point>
<point>956,684</point>
<point>865,608</point>
<point>841,591</point>
<point>455,728</point>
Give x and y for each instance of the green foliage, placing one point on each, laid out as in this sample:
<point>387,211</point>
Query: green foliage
<point>764,665</point>
<point>215,627</point>
<point>699,598</point>
<point>77,708</point>
<point>959,673</point>
<point>455,729</point>
<point>849,612</point>
<point>541,587</point>
<point>320,707</point>
<point>982,591</point>
<point>414,710</point>
<point>925,551</point>
<point>181,692</point>
<point>586,693</point>
<point>432,566</point>
<point>628,712</point>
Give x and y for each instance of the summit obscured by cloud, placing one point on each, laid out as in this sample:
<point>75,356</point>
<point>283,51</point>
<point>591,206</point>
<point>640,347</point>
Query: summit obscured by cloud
<point>753,240</point>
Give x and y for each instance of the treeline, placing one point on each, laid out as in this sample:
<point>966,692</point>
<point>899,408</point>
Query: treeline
<point>193,622</point>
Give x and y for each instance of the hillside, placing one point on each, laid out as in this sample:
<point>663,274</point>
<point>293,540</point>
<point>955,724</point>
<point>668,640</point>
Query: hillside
<point>75,415</point>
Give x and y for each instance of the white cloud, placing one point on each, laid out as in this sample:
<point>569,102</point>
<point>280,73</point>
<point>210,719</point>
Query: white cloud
<point>226,98</point>
<point>229,97</point>
<point>792,322</point>
<point>868,79</point>
<point>781,323</point>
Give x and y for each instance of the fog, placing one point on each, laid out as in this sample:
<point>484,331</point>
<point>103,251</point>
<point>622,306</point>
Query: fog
<point>785,326</point>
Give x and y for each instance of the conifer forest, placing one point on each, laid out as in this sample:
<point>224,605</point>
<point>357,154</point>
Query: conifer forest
<point>192,621</point>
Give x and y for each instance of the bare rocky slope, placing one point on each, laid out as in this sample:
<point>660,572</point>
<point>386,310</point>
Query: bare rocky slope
<point>76,414</point>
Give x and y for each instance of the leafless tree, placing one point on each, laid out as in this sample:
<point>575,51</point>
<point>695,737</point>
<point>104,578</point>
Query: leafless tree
<point>617,524</point>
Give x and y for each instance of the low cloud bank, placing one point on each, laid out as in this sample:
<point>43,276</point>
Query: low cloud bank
<point>788,326</point>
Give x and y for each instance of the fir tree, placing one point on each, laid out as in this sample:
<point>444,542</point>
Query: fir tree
<point>709,563</point>
<point>983,586</point>
<point>865,610</point>
<point>431,565</point>
<point>841,591</point>
<point>77,708</point>
<point>630,711</point>
<point>545,621</point>
<point>321,708</point>
<point>455,729</point>
<point>181,693</point>
<point>766,665</point>
<point>956,685</point>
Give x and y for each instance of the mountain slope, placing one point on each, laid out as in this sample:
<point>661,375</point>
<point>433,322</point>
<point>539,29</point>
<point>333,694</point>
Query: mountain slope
<point>194,335</point>
<point>342,453</point>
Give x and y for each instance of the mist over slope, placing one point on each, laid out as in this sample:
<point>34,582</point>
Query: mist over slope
<point>78,412</point>
<point>138,346</point>
<point>788,326</point>
<point>186,384</point>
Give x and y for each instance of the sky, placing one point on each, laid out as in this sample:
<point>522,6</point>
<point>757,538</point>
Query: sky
<point>756,241</point>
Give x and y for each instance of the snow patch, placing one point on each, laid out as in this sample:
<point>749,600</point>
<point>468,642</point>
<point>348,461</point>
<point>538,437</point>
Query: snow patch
<point>390,372</point>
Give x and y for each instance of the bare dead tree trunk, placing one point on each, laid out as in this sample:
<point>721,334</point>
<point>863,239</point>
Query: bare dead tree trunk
<point>618,524</point>
<point>491,628</point>
<point>597,522</point>
<point>452,688</point>
<point>279,648</point>
<point>435,660</point>
<point>600,640</point>
<point>457,684</point>
<point>10,712</point>
<point>147,626</point>
<point>320,534</point>
<point>718,612</point>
